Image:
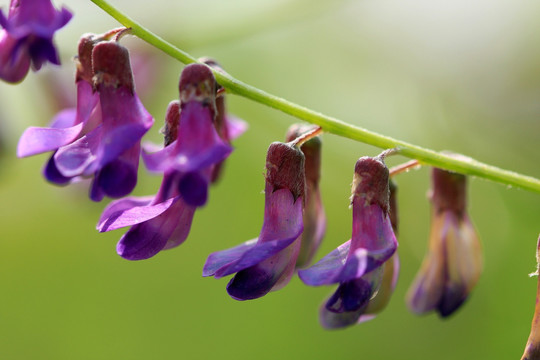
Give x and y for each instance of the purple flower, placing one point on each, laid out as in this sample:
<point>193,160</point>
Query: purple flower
<point>360,264</point>
<point>454,260</point>
<point>26,38</point>
<point>314,217</point>
<point>101,138</point>
<point>197,146</point>
<point>532,349</point>
<point>267,263</point>
<point>192,149</point>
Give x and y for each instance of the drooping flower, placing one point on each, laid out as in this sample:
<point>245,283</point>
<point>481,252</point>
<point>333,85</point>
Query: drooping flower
<point>314,217</point>
<point>101,138</point>
<point>359,264</point>
<point>267,263</point>
<point>532,349</point>
<point>69,124</point>
<point>453,263</point>
<point>198,147</point>
<point>27,37</point>
<point>192,149</point>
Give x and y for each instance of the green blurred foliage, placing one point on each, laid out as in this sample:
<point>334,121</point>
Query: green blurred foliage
<point>459,76</point>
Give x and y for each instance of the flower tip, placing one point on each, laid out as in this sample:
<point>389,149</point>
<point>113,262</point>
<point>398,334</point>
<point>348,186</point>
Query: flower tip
<point>197,82</point>
<point>371,181</point>
<point>249,284</point>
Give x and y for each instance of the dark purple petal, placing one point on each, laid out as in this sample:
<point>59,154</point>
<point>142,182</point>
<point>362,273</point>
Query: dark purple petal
<point>268,275</point>
<point>194,188</point>
<point>350,301</point>
<point>146,239</point>
<point>119,176</point>
<point>51,173</point>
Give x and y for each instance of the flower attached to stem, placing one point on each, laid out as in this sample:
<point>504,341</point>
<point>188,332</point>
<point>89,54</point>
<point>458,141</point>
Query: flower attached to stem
<point>101,137</point>
<point>267,263</point>
<point>361,264</point>
<point>192,149</point>
<point>453,263</point>
<point>26,37</point>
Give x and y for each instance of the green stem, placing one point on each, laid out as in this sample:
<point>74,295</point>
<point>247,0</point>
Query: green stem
<point>329,124</point>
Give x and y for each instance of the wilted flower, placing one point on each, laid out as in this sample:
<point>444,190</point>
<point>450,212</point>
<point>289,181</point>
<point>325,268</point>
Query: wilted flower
<point>314,217</point>
<point>267,263</point>
<point>532,349</point>
<point>101,138</point>
<point>192,148</point>
<point>359,264</point>
<point>26,38</point>
<point>454,260</point>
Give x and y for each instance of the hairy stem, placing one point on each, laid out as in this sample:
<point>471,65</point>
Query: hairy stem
<point>329,124</point>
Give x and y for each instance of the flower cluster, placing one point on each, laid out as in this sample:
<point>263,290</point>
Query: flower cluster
<point>193,154</point>
<point>100,140</point>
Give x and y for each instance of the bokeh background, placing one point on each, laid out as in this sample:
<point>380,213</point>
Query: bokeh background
<point>461,76</point>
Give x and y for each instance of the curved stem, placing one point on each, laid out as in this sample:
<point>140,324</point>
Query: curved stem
<point>329,124</point>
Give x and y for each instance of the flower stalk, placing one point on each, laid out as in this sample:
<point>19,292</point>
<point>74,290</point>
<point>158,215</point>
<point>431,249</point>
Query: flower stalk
<point>328,124</point>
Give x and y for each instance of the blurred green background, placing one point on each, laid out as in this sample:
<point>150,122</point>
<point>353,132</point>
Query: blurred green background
<point>461,76</point>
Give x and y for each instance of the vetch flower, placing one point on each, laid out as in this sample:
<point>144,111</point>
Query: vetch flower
<point>192,149</point>
<point>197,147</point>
<point>267,263</point>
<point>532,349</point>
<point>359,264</point>
<point>157,223</point>
<point>314,217</point>
<point>26,37</point>
<point>69,124</point>
<point>453,263</point>
<point>101,138</point>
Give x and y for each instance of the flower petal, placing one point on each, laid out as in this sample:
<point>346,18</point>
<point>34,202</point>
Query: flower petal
<point>198,145</point>
<point>148,238</point>
<point>217,260</point>
<point>235,126</point>
<point>36,140</point>
<point>74,159</point>
<point>130,211</point>
<point>282,225</point>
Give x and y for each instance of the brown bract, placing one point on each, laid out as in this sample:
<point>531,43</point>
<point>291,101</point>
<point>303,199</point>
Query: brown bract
<point>370,182</point>
<point>111,66</point>
<point>285,169</point>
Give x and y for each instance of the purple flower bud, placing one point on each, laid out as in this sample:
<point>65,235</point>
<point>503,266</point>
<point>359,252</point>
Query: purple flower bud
<point>314,217</point>
<point>267,263</point>
<point>453,263</point>
<point>532,349</point>
<point>26,38</point>
<point>359,264</point>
